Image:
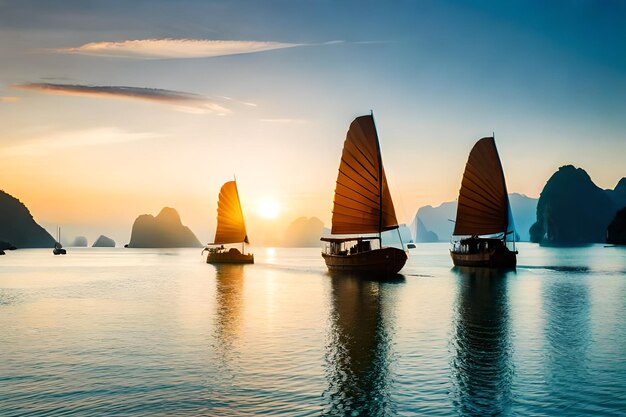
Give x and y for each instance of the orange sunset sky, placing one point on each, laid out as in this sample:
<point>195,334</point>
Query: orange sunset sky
<point>111,112</point>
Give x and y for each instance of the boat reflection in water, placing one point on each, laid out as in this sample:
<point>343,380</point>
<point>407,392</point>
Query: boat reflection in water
<point>359,348</point>
<point>481,354</point>
<point>229,280</point>
<point>566,305</point>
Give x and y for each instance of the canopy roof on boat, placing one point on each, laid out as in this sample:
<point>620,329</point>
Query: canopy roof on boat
<point>362,201</point>
<point>483,206</point>
<point>230,225</point>
<point>348,239</point>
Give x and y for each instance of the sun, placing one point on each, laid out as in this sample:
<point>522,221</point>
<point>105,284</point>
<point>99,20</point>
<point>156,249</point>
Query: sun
<point>268,208</point>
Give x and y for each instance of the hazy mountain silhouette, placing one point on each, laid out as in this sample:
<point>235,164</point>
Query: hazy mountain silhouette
<point>618,194</point>
<point>79,242</point>
<point>304,233</point>
<point>572,209</point>
<point>17,226</point>
<point>422,234</point>
<point>163,231</point>
<point>437,219</point>
<point>103,242</point>
<point>616,232</point>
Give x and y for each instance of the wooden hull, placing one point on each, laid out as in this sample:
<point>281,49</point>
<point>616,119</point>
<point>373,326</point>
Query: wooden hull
<point>230,258</point>
<point>500,257</point>
<point>381,262</point>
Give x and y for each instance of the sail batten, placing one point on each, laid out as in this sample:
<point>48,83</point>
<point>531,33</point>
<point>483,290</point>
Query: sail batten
<point>231,227</point>
<point>483,206</point>
<point>362,201</point>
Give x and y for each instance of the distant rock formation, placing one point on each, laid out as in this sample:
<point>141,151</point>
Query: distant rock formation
<point>103,242</point>
<point>163,231</point>
<point>392,237</point>
<point>616,232</point>
<point>422,234</point>
<point>18,227</point>
<point>80,242</point>
<point>573,210</point>
<point>304,233</point>
<point>437,219</point>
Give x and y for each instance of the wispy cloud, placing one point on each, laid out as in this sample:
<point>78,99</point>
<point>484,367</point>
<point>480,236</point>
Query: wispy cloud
<point>55,140</point>
<point>8,99</point>
<point>245,103</point>
<point>174,48</point>
<point>284,121</point>
<point>187,102</point>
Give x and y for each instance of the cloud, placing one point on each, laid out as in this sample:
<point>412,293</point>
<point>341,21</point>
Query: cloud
<point>187,102</point>
<point>284,121</point>
<point>8,99</point>
<point>245,103</point>
<point>51,141</point>
<point>174,48</point>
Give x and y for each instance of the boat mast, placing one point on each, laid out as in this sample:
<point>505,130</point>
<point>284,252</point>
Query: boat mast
<point>380,183</point>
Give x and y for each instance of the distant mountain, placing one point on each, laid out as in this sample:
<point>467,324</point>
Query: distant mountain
<point>437,219</point>
<point>103,242</point>
<point>304,233</point>
<point>618,194</point>
<point>392,237</point>
<point>163,231</point>
<point>79,242</point>
<point>422,234</point>
<point>616,232</point>
<point>17,226</point>
<point>572,209</point>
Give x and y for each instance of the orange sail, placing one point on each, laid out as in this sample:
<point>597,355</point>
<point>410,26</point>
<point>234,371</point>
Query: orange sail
<point>230,225</point>
<point>362,201</point>
<point>483,206</point>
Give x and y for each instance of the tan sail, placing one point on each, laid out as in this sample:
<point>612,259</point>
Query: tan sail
<point>362,201</point>
<point>483,206</point>
<point>230,225</point>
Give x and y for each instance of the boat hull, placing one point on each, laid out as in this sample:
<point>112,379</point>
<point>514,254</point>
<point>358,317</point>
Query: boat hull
<point>500,257</point>
<point>59,251</point>
<point>1,252</point>
<point>230,258</point>
<point>382,262</point>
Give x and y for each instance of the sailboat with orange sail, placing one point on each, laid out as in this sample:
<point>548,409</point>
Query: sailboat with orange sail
<point>484,225</point>
<point>362,206</point>
<point>231,229</point>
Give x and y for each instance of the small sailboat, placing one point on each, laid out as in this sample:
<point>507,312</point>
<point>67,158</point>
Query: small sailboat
<point>484,224</point>
<point>58,248</point>
<point>230,229</point>
<point>362,205</point>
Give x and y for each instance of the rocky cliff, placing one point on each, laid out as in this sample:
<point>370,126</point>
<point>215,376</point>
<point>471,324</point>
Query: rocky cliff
<point>104,242</point>
<point>616,232</point>
<point>574,210</point>
<point>163,231</point>
<point>17,226</point>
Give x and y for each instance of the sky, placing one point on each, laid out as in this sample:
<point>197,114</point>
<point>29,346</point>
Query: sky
<point>111,109</point>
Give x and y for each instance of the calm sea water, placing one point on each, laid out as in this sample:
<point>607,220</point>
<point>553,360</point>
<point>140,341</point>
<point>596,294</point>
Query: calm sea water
<point>160,332</point>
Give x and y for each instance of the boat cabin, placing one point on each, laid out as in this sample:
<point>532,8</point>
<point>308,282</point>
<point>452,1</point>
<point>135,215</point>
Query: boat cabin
<point>475,244</point>
<point>350,245</point>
